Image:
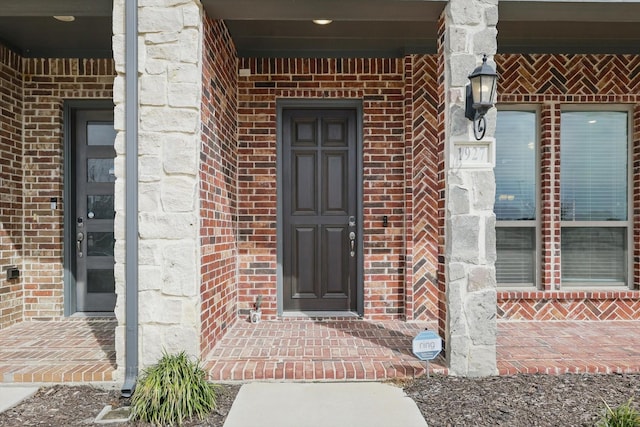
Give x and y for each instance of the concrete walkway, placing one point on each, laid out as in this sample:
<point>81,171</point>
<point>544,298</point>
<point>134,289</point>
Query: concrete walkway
<point>11,395</point>
<point>355,404</point>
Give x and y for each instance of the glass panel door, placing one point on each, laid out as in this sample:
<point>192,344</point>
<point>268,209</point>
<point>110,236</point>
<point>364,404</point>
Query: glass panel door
<point>94,236</point>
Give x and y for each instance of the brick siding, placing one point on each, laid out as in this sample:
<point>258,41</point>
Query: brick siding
<point>380,85</point>
<point>403,176</point>
<point>218,184</point>
<point>441,180</point>
<point>422,148</point>
<point>41,86</point>
<point>550,81</point>
<point>11,293</point>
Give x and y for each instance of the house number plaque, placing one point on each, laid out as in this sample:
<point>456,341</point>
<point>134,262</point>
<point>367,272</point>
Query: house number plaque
<point>473,155</point>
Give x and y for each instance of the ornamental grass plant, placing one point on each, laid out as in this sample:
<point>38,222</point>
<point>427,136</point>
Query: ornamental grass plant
<point>172,390</point>
<point>624,415</point>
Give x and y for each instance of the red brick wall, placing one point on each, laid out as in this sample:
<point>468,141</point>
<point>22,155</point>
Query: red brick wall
<point>46,84</point>
<point>219,186</point>
<point>550,81</point>
<point>387,133</point>
<point>441,179</point>
<point>10,185</point>
<point>422,187</point>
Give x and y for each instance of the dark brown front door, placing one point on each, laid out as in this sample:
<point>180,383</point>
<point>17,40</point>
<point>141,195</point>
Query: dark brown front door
<point>319,210</point>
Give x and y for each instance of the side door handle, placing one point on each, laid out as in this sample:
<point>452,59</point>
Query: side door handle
<point>79,239</point>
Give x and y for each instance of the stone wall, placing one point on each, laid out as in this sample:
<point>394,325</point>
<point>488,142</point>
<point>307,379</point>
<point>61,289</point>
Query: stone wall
<point>218,184</point>
<point>470,333</point>
<point>169,144</point>
<point>11,291</point>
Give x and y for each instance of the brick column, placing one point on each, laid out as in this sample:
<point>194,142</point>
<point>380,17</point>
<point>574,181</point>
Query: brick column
<point>170,63</point>
<point>470,333</point>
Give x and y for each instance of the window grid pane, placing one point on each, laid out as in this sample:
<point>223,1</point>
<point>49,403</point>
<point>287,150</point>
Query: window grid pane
<point>594,188</point>
<point>593,163</point>
<point>594,255</point>
<point>516,195</point>
<point>515,169</point>
<point>516,251</point>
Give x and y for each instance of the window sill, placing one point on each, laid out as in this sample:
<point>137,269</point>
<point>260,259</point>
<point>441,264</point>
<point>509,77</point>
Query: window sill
<point>596,294</point>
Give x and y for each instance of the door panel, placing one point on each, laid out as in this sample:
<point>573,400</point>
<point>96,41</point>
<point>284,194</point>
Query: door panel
<point>305,263</point>
<point>319,199</point>
<point>93,238</point>
<point>335,263</point>
<point>304,183</point>
<point>335,174</point>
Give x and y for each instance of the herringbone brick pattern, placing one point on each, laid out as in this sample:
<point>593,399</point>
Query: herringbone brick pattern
<point>441,180</point>
<point>550,82</point>
<point>425,187</point>
<point>636,194</point>
<point>568,74</point>
<point>409,297</point>
<point>569,305</point>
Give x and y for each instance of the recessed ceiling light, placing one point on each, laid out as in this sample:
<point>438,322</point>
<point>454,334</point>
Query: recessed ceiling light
<point>592,122</point>
<point>322,21</point>
<point>65,18</point>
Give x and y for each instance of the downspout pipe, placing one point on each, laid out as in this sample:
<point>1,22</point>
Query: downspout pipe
<point>131,197</point>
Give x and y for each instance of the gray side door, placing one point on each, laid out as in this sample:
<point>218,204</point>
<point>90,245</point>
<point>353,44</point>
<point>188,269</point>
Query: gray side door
<point>92,239</point>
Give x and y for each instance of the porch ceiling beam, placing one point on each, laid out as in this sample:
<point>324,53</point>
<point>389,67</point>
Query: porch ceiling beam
<point>338,10</point>
<point>56,7</point>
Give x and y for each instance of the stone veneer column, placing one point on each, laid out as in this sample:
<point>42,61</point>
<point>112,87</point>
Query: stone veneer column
<point>470,31</point>
<point>170,52</point>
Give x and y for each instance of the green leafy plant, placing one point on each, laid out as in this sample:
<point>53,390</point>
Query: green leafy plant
<point>171,391</point>
<point>624,415</point>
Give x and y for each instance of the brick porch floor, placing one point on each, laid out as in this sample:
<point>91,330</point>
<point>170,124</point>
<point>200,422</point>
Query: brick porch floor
<point>317,350</point>
<point>78,350</point>
<point>73,350</point>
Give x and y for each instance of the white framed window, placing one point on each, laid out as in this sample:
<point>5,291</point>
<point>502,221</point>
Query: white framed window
<point>594,197</point>
<point>516,201</point>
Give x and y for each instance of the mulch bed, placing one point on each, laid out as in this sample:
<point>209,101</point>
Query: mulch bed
<point>521,400</point>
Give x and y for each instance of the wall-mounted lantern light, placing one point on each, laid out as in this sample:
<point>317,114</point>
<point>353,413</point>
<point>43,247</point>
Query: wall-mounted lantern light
<point>481,93</point>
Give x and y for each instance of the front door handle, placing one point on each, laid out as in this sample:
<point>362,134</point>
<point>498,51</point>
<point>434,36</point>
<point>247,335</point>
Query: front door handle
<point>79,239</point>
<point>352,242</point>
